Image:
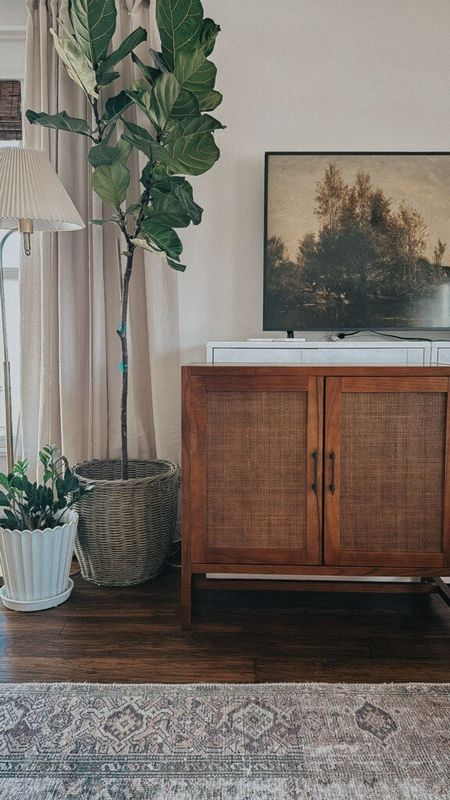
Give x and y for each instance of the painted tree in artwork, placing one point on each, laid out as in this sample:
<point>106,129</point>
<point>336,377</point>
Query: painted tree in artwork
<point>331,193</point>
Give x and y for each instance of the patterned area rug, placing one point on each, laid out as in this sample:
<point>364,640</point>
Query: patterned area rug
<point>227,742</point>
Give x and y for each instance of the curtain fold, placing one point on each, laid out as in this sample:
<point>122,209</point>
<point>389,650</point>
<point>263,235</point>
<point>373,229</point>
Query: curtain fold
<point>70,353</point>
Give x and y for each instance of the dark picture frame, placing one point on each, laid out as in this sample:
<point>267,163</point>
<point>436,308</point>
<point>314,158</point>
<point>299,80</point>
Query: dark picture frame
<point>373,240</point>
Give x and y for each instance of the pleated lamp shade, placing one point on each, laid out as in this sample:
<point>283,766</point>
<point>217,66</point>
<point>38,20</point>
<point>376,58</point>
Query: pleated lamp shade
<point>31,189</point>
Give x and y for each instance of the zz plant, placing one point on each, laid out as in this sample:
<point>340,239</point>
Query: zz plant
<point>174,96</point>
<point>32,506</point>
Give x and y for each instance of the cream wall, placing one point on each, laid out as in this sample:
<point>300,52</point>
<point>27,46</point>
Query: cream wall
<point>12,38</point>
<point>303,75</point>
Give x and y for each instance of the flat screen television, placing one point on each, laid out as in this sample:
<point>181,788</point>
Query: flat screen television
<point>357,241</point>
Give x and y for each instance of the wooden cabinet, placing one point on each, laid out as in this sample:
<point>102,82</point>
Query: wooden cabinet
<point>319,470</point>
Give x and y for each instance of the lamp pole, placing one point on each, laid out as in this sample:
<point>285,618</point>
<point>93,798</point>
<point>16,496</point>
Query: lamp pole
<point>6,365</point>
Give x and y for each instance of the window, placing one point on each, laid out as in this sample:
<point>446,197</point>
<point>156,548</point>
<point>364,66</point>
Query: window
<point>10,111</point>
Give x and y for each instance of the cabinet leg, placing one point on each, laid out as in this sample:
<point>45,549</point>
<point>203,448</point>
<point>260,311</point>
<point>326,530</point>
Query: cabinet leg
<point>186,600</point>
<point>443,589</point>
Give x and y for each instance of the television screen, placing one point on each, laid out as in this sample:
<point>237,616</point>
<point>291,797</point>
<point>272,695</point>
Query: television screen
<point>357,241</point>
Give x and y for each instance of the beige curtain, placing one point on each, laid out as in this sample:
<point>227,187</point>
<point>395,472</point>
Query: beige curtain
<point>70,380</point>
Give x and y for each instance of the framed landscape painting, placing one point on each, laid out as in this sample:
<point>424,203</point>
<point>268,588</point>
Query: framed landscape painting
<point>357,241</point>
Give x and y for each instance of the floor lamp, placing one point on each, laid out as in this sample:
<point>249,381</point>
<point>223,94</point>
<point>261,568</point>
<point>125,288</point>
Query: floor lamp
<point>32,198</point>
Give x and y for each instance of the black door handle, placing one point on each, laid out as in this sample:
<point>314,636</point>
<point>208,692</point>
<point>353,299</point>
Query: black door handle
<point>315,457</point>
<point>332,485</point>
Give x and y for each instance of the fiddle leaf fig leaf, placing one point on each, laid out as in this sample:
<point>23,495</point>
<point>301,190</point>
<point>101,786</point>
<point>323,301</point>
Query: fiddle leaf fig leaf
<point>140,138</point>
<point>115,106</point>
<point>158,60</point>
<point>176,265</point>
<point>133,40</point>
<point>61,121</point>
<point>163,237</point>
<point>208,35</point>
<point>168,210</point>
<point>111,182</point>
<point>186,106</point>
<point>193,210</point>
<point>94,24</point>
<point>124,150</point>
<point>107,78</point>
<point>187,63</point>
<point>192,148</point>
<point>149,73</point>
<point>194,72</point>
<point>78,66</point>
<point>164,96</point>
<point>144,245</point>
<point>209,100</point>
<point>179,24</point>
<point>102,154</point>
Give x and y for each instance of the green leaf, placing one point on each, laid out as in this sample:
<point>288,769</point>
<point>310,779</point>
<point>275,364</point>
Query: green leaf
<point>61,121</point>
<point>198,76</point>
<point>179,24</point>
<point>147,174</point>
<point>133,40</point>
<point>186,106</point>
<point>194,72</point>
<point>124,149</point>
<point>107,78</point>
<point>144,245</point>
<point>94,24</point>
<point>140,138</point>
<point>192,147</point>
<point>149,73</point>
<point>78,66</point>
<point>164,96</point>
<point>140,95</point>
<point>203,80</point>
<point>102,154</point>
<point>166,209</point>
<point>115,106</point>
<point>111,182</point>
<point>4,500</point>
<point>187,63</point>
<point>158,60</point>
<point>163,237</point>
<point>208,35</point>
<point>193,210</point>
<point>209,100</point>
<point>176,265</point>
<point>99,221</point>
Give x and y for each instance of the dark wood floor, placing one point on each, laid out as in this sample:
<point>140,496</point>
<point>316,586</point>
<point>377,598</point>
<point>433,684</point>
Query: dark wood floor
<point>133,635</point>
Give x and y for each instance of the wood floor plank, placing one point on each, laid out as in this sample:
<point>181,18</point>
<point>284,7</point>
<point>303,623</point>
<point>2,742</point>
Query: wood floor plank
<point>348,671</point>
<point>133,635</point>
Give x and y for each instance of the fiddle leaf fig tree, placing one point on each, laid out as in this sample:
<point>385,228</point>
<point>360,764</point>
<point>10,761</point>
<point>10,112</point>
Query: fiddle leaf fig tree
<point>173,98</point>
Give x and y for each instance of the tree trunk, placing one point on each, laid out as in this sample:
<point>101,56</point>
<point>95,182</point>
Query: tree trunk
<point>123,334</point>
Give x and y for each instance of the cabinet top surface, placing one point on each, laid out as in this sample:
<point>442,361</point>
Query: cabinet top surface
<point>203,369</point>
<point>317,344</point>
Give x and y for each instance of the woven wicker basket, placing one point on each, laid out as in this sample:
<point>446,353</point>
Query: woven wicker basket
<point>126,528</point>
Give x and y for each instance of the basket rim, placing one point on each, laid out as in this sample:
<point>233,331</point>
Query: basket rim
<point>172,470</point>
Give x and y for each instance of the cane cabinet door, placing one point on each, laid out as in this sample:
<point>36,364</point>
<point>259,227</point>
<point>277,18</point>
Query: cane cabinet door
<point>386,460</point>
<point>255,469</point>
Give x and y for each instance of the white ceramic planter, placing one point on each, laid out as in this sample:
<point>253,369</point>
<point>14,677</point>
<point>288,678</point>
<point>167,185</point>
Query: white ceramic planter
<point>36,565</point>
